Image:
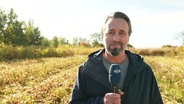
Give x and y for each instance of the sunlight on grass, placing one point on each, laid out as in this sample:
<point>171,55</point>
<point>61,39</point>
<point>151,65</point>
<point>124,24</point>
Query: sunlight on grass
<point>169,73</point>
<point>50,80</point>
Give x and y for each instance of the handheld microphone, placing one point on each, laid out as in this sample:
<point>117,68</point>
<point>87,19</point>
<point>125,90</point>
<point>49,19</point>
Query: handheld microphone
<point>115,76</point>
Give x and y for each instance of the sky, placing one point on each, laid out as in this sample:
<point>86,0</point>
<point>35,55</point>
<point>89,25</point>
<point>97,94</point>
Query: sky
<point>154,22</point>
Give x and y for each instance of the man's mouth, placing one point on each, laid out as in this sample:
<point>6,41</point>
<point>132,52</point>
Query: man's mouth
<point>116,45</point>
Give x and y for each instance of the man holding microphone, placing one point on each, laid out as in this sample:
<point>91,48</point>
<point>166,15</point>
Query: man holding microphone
<point>94,80</point>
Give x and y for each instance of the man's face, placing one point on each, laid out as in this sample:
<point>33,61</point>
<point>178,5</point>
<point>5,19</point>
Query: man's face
<point>115,36</point>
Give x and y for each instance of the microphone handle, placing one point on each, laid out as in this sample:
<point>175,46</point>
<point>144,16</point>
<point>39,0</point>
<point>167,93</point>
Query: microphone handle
<point>115,88</point>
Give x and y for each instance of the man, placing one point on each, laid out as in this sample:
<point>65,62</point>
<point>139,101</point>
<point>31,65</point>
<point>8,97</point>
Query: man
<point>138,84</point>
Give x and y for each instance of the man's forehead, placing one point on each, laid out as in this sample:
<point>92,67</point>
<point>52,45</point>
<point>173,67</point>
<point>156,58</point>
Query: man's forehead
<point>115,23</point>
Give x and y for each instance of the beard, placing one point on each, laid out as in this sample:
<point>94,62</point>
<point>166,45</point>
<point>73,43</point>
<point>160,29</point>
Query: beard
<point>115,51</point>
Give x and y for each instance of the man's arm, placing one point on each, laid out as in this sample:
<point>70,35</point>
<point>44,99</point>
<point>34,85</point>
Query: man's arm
<point>78,95</point>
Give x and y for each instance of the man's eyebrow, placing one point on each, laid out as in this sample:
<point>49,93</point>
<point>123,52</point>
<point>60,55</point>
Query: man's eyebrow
<point>122,30</point>
<point>111,30</point>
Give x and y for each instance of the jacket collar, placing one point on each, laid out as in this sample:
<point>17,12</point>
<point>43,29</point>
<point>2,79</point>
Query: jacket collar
<point>136,64</point>
<point>95,65</point>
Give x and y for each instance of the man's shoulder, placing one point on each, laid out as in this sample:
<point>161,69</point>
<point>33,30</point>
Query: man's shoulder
<point>133,55</point>
<point>93,58</point>
<point>96,53</point>
<point>137,60</point>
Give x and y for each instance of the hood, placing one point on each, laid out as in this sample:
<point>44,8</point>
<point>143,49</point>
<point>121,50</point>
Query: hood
<point>136,65</point>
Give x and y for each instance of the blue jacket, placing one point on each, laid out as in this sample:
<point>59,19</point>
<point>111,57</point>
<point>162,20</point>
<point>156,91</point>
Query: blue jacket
<point>91,83</point>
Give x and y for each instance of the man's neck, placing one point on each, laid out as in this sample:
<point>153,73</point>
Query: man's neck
<point>115,59</point>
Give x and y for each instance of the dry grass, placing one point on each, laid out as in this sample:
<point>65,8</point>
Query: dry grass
<point>170,76</point>
<point>50,80</point>
<point>45,80</point>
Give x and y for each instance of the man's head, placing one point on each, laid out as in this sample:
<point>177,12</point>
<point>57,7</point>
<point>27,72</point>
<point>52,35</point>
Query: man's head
<point>116,32</point>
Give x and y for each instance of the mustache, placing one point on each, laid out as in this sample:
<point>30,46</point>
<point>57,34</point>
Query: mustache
<point>116,43</point>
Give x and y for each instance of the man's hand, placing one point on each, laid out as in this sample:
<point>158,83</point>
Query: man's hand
<point>113,98</point>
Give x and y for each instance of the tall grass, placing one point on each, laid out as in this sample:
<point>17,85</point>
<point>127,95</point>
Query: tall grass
<point>168,51</point>
<point>169,72</point>
<point>49,80</point>
<point>30,52</point>
<point>11,53</point>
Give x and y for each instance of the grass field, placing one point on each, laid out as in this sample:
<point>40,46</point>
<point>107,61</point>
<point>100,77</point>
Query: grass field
<point>50,80</point>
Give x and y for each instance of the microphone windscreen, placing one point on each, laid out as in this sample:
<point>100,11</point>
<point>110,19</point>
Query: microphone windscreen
<point>114,74</point>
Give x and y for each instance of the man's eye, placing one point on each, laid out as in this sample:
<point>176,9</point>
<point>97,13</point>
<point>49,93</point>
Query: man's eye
<point>110,32</point>
<point>122,34</point>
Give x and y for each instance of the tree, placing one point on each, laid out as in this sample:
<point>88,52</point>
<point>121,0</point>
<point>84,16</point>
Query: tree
<point>3,22</point>
<point>32,34</point>
<point>45,42</point>
<point>96,39</point>
<point>55,41</point>
<point>20,38</point>
<point>75,41</point>
<point>12,30</point>
<point>80,41</point>
<point>63,40</point>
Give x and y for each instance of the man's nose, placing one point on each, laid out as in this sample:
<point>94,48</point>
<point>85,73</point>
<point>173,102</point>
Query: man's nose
<point>116,37</point>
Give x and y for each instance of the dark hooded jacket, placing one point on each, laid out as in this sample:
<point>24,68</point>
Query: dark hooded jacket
<point>91,83</point>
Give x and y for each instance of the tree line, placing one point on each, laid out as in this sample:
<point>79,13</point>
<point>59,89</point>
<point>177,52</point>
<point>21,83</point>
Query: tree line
<point>19,33</point>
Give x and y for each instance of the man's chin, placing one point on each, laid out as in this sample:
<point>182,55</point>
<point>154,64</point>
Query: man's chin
<point>115,52</point>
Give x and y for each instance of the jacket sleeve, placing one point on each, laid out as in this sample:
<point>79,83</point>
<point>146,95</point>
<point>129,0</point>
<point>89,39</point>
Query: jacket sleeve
<point>78,95</point>
<point>155,96</point>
